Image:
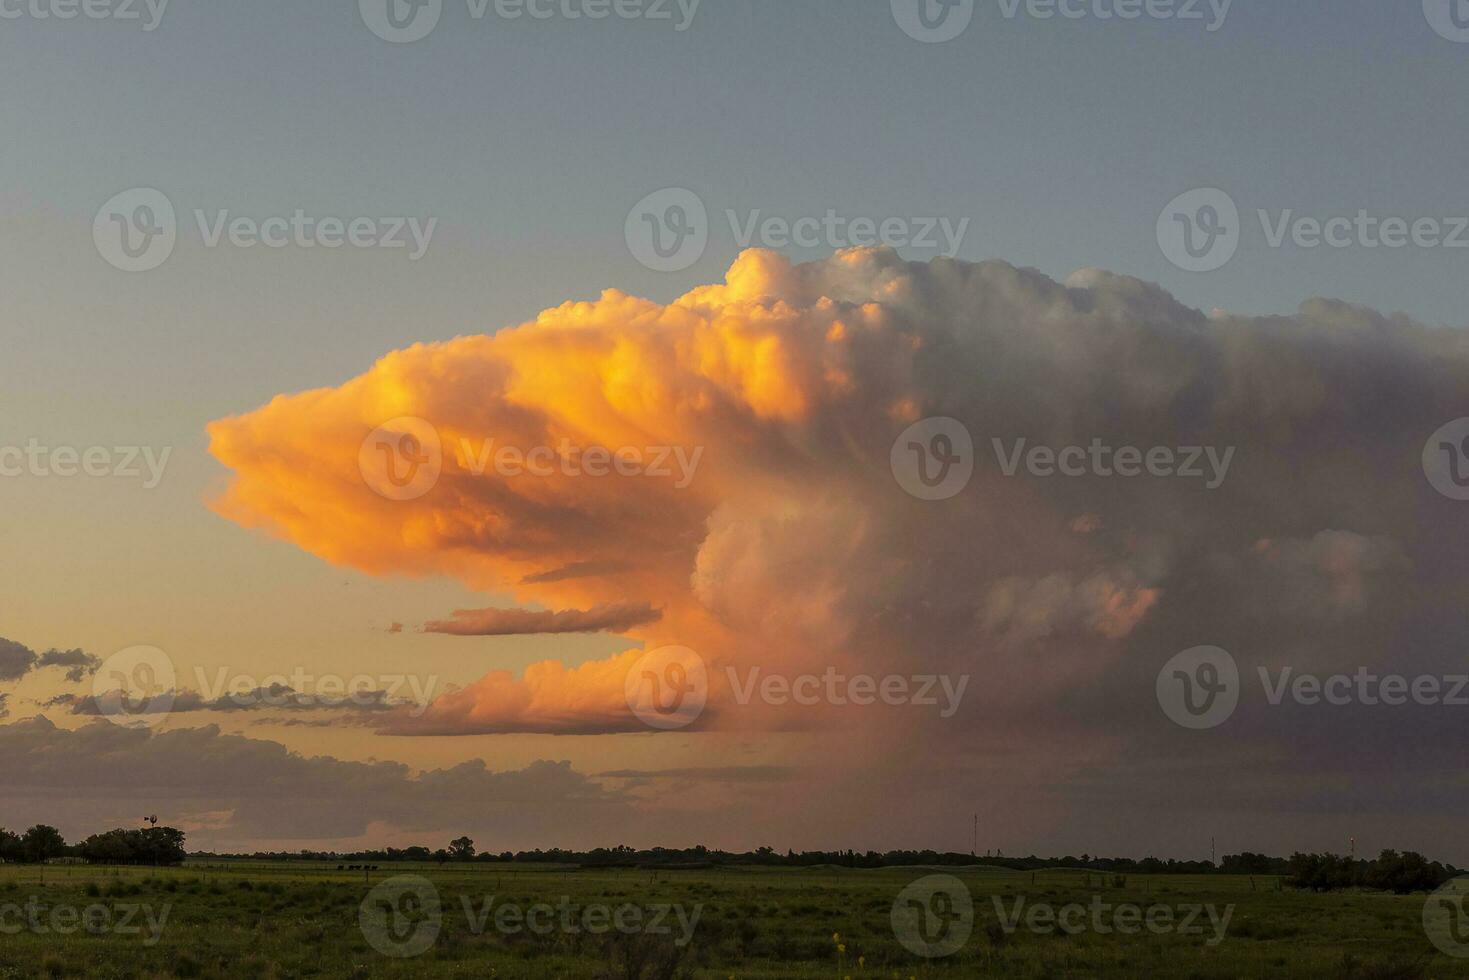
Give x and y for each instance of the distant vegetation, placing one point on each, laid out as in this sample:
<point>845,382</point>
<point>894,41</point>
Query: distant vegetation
<point>151,846</point>
<point>1392,871</point>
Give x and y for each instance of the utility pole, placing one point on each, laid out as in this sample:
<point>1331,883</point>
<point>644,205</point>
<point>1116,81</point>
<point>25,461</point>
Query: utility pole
<point>1211,853</point>
<point>974,851</point>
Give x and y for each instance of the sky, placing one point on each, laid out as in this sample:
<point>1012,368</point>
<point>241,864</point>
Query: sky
<point>1011,163</point>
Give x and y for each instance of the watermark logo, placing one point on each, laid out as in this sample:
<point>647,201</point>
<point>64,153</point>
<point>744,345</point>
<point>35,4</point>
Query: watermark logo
<point>1099,459</point>
<point>41,918</point>
<point>401,917</point>
<point>1366,688</point>
<point>833,230</point>
<point>401,21</point>
<point>667,688</point>
<point>67,462</point>
<point>941,691</point>
<point>120,10</point>
<point>1448,18</point>
<point>1212,12</point>
<point>1199,230</point>
<point>134,688</point>
<point>1446,460</point>
<point>1103,918</point>
<point>934,916</point>
<point>136,230</point>
<point>1445,919</point>
<point>569,919</point>
<point>406,21</point>
<point>675,463</point>
<point>933,459</point>
<point>933,21</point>
<point>229,690</point>
<point>1199,688</point>
<point>668,230</point>
<point>402,459</point>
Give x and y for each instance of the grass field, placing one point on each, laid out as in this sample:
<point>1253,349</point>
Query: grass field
<point>249,919</point>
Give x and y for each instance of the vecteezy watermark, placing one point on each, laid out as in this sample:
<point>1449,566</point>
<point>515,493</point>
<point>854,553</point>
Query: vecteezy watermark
<point>834,231</point>
<point>1104,918</point>
<point>1201,688</point>
<point>667,688</point>
<point>1446,460</point>
<point>835,688</point>
<point>669,230</point>
<point>1365,687</point>
<point>677,463</point>
<point>1445,919</point>
<point>935,21</point>
<point>1448,18</point>
<point>301,689</point>
<point>569,918</point>
<point>145,463</point>
<point>40,917</point>
<point>1099,459</point>
<point>137,230</point>
<point>135,687</point>
<point>1200,230</point>
<point>403,916</point>
<point>933,917</point>
<point>404,459</point>
<point>148,13</point>
<point>401,459</point>
<point>406,21</point>
<point>934,459</point>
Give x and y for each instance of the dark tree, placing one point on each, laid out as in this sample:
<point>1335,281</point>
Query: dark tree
<point>41,843</point>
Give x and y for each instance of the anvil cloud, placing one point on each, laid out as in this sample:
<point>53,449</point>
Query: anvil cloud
<point>794,548</point>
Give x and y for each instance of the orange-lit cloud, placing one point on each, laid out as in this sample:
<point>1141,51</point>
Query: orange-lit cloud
<point>614,617</point>
<point>724,459</point>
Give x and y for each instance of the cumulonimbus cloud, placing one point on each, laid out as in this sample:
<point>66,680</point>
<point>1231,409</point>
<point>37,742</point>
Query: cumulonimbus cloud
<point>793,547</point>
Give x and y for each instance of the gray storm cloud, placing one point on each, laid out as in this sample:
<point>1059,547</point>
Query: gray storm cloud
<point>1061,582</point>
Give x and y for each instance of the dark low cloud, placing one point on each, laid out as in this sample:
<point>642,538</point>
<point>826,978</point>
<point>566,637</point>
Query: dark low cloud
<point>78,664</point>
<point>18,660</point>
<point>614,617</point>
<point>276,697</point>
<point>576,570</point>
<point>242,792</point>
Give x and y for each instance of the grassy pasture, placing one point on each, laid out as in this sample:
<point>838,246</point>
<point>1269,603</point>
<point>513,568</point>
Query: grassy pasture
<point>285,920</point>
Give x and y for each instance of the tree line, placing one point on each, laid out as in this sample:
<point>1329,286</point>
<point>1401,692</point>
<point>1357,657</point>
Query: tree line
<point>42,843</point>
<point>1402,872</point>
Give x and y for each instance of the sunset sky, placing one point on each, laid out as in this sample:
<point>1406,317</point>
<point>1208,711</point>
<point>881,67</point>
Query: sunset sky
<point>780,378</point>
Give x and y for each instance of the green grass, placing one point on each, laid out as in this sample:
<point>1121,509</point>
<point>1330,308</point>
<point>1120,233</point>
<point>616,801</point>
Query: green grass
<point>274,920</point>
